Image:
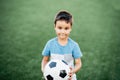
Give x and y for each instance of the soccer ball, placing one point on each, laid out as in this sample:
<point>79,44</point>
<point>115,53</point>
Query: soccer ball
<point>56,70</point>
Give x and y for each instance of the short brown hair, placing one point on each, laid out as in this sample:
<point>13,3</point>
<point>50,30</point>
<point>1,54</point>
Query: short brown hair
<point>63,15</point>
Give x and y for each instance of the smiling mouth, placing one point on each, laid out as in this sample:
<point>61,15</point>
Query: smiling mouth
<point>62,34</point>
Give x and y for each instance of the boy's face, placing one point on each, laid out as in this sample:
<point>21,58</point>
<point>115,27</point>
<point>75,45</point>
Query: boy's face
<point>62,29</point>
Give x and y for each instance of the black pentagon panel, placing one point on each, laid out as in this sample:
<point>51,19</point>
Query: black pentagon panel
<point>62,73</point>
<point>64,62</point>
<point>49,77</point>
<point>52,64</point>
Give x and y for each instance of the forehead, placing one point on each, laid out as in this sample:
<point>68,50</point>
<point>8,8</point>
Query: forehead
<point>63,23</point>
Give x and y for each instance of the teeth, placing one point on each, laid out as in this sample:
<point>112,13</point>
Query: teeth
<point>62,35</point>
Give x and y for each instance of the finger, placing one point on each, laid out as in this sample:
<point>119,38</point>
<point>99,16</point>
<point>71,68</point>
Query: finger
<point>70,78</point>
<point>70,68</point>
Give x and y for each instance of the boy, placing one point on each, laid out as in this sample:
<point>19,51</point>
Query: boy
<point>62,47</point>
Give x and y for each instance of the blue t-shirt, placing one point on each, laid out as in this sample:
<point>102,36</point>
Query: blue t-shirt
<point>69,52</point>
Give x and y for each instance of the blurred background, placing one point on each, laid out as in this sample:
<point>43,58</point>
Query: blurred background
<point>26,26</point>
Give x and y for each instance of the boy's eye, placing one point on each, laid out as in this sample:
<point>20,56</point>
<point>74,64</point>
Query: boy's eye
<point>59,27</point>
<point>66,28</point>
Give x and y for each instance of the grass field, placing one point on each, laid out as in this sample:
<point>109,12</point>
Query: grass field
<point>26,26</point>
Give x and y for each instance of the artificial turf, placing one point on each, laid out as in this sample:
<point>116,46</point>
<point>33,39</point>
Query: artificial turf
<point>26,26</point>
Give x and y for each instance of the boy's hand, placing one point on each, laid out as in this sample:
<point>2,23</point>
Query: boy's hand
<point>71,73</point>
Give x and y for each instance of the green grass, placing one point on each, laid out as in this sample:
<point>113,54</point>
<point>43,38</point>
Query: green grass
<point>26,26</point>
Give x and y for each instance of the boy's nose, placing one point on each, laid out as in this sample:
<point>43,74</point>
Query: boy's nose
<point>62,30</point>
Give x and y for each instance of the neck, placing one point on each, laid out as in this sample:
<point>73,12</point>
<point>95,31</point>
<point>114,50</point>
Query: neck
<point>63,42</point>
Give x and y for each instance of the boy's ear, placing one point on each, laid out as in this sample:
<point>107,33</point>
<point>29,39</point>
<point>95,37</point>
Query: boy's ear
<point>70,29</point>
<point>54,26</point>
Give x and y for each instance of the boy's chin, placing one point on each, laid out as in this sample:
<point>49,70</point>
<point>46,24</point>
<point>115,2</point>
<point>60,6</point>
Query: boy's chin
<point>62,38</point>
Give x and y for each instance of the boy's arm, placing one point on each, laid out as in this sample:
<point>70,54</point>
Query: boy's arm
<point>78,65</point>
<point>44,62</point>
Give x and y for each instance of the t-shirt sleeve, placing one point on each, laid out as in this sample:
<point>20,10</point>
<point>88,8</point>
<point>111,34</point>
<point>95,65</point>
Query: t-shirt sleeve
<point>46,50</point>
<point>76,51</point>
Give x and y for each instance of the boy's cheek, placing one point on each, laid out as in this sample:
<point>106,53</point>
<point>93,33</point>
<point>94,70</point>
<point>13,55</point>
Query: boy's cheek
<point>57,30</point>
<point>68,32</point>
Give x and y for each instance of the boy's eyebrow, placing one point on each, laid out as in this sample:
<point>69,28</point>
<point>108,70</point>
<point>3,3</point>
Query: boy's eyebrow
<point>59,26</point>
